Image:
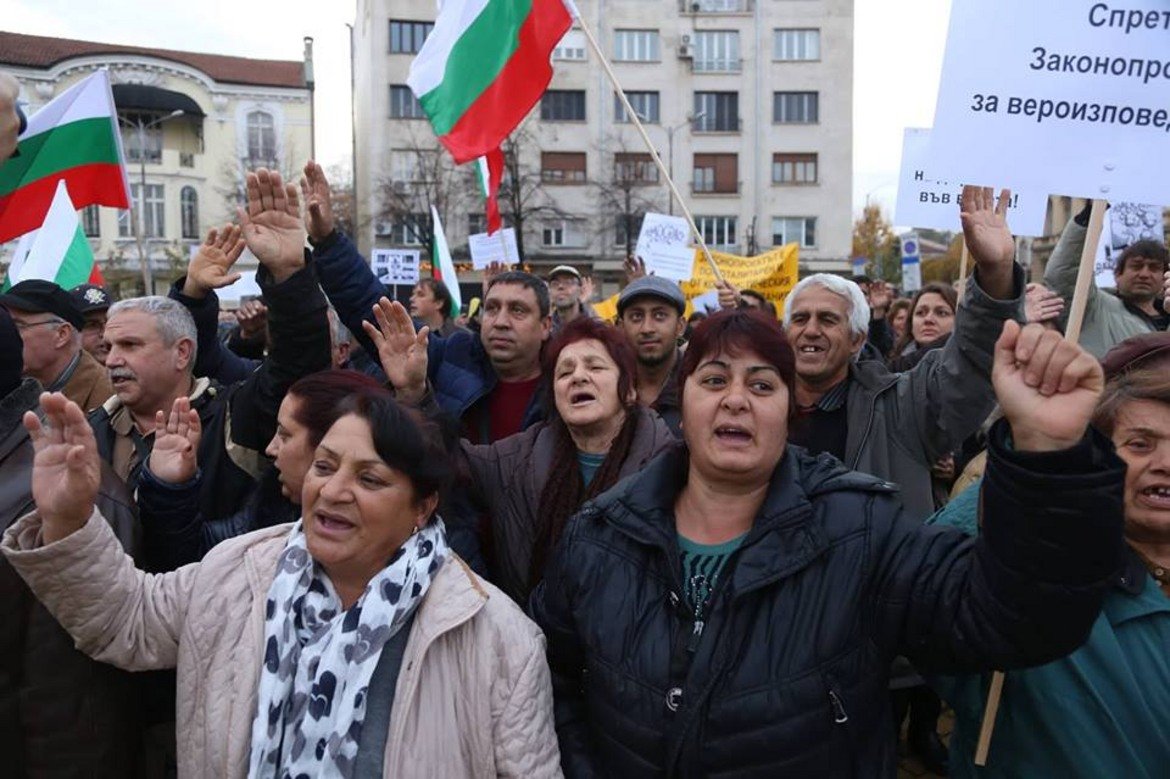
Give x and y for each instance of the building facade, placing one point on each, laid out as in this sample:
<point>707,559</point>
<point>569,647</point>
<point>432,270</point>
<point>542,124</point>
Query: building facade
<point>748,102</point>
<point>192,124</point>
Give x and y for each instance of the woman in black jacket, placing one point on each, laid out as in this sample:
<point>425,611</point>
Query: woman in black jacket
<point>732,610</point>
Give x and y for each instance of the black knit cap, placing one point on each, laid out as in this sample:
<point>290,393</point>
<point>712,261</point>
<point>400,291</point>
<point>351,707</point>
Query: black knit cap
<point>43,297</point>
<point>11,354</point>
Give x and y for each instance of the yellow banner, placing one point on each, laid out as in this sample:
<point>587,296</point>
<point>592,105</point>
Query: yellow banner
<point>773,274</point>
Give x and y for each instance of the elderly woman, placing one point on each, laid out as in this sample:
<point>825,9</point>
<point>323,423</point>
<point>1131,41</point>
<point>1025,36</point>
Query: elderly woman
<point>931,321</point>
<point>1100,711</point>
<point>733,609</point>
<point>533,481</point>
<point>351,643</point>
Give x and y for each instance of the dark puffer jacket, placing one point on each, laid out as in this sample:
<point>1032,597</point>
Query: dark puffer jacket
<point>788,675</point>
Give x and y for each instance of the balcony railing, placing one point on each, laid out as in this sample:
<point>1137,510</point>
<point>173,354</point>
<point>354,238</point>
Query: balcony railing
<point>708,124</point>
<point>701,188</point>
<point>715,6</point>
<point>716,66</point>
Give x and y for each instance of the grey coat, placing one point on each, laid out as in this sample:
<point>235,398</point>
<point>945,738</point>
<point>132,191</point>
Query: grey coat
<point>1107,320</point>
<point>900,424</point>
<point>510,475</point>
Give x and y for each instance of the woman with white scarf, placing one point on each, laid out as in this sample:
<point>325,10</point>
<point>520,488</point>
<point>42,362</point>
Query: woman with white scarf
<point>350,643</point>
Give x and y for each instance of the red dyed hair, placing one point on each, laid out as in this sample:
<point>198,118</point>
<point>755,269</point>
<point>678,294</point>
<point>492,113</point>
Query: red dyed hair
<point>321,395</point>
<point>736,331</point>
<point>614,341</point>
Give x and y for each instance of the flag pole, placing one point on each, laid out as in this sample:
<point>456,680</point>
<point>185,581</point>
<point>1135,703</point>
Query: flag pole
<point>1072,333</point>
<point>633,115</point>
<point>964,260</point>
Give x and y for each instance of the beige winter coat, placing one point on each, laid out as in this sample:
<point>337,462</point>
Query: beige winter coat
<point>473,697</point>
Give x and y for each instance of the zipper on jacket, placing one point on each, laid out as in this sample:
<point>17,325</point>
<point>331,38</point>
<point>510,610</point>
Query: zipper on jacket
<point>696,635</point>
<point>839,715</point>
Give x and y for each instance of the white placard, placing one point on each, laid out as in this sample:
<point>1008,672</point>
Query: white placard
<point>395,266</point>
<point>486,249</point>
<point>708,302</point>
<point>1065,97</point>
<point>1106,255</point>
<point>1126,223</point>
<point>664,245</point>
<point>926,201</point>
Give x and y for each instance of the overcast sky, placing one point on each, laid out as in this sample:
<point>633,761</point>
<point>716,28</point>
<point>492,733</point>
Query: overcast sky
<point>899,46</point>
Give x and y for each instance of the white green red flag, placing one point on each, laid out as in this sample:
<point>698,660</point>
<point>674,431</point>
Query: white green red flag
<point>58,251</point>
<point>484,66</point>
<point>441,265</point>
<point>73,138</point>
<point>490,171</point>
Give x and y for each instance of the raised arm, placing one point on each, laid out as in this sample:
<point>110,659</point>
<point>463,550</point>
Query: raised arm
<point>1060,275</point>
<point>72,561</point>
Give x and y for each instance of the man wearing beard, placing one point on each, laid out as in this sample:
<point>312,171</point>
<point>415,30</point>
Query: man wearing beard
<point>650,313</point>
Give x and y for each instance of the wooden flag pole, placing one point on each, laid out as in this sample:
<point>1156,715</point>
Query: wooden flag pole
<point>1076,318</point>
<point>964,261</point>
<point>633,115</point>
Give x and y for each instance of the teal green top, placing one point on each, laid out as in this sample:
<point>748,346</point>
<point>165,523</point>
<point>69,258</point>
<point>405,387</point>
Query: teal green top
<point>589,463</point>
<point>701,565</point>
<point>1100,712</point>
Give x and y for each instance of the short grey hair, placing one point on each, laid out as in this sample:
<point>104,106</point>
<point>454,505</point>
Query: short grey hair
<point>858,306</point>
<point>171,317</point>
<point>338,333</point>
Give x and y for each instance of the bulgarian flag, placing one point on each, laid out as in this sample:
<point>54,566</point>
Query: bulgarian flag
<point>490,169</point>
<point>73,138</point>
<point>58,252</point>
<point>441,265</point>
<point>484,66</point>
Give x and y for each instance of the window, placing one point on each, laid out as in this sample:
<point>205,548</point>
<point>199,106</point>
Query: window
<point>716,173</point>
<point>717,230</point>
<point>645,105</point>
<point>716,112</point>
<point>189,212</point>
<point>476,223</point>
<point>794,169</point>
<point>571,47</point>
<point>636,167</point>
<point>795,229</point>
<point>91,222</point>
<point>409,229</point>
<point>620,237</point>
<point>718,6</point>
<point>716,51</point>
<point>145,144</point>
<point>635,46</point>
<point>261,139</point>
<point>403,103</point>
<point>153,208</point>
<point>412,165</point>
<point>562,167</point>
<point>564,233</point>
<point>795,107</point>
<point>796,45</point>
<point>407,37</point>
<point>563,105</point>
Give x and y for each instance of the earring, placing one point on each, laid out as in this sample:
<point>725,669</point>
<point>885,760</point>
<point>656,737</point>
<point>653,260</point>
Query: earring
<point>415,531</point>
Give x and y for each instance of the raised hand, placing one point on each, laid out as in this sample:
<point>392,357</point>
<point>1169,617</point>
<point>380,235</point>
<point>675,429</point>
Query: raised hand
<point>272,224</point>
<point>66,468</point>
<point>1041,304</point>
<point>318,202</point>
<point>253,317</point>
<point>988,238</point>
<point>1047,387</point>
<point>212,266</point>
<point>490,272</point>
<point>173,459</point>
<point>588,287</point>
<point>728,294</point>
<point>880,297</point>
<point>634,266</point>
<point>402,351</point>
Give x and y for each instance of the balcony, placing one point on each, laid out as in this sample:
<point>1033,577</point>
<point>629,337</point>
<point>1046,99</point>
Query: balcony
<point>709,7</point>
<point>708,188</point>
<point>717,66</point>
<point>707,124</point>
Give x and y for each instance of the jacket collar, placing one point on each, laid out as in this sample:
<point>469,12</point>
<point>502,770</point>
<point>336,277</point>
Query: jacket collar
<point>1142,595</point>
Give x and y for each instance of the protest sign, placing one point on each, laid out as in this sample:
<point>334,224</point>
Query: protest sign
<point>773,274</point>
<point>1106,256</point>
<point>395,266</point>
<point>486,249</point>
<point>926,200</point>
<point>664,245</point>
<point>1126,223</point>
<point>1078,106</point>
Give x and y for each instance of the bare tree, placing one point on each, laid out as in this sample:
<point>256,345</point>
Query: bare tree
<point>627,190</point>
<point>523,196</point>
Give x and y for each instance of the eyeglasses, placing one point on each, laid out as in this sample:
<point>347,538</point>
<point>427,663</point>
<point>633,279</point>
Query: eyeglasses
<point>27,325</point>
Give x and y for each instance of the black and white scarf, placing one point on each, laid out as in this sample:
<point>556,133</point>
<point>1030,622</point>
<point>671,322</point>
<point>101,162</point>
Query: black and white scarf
<point>318,659</point>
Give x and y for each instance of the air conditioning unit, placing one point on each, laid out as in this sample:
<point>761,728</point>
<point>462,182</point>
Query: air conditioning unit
<point>685,39</point>
<point>686,51</point>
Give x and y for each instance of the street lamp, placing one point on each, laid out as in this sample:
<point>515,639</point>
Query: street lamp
<point>140,221</point>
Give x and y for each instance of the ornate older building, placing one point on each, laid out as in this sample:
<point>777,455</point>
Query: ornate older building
<point>192,123</point>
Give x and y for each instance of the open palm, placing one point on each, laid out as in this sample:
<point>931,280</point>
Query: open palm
<point>402,351</point>
<point>212,266</point>
<point>985,226</point>
<point>66,468</point>
<point>271,223</point>
<point>173,458</point>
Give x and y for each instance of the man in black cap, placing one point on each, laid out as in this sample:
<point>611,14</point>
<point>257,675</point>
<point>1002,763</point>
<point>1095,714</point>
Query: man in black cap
<point>50,324</point>
<point>94,302</point>
<point>650,313</point>
<point>61,713</point>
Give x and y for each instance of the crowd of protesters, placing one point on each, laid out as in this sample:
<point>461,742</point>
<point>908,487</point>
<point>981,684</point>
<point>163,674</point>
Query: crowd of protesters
<point>352,538</point>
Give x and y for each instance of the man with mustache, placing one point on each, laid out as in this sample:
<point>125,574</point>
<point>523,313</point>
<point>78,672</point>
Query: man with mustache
<point>152,352</point>
<point>1110,319</point>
